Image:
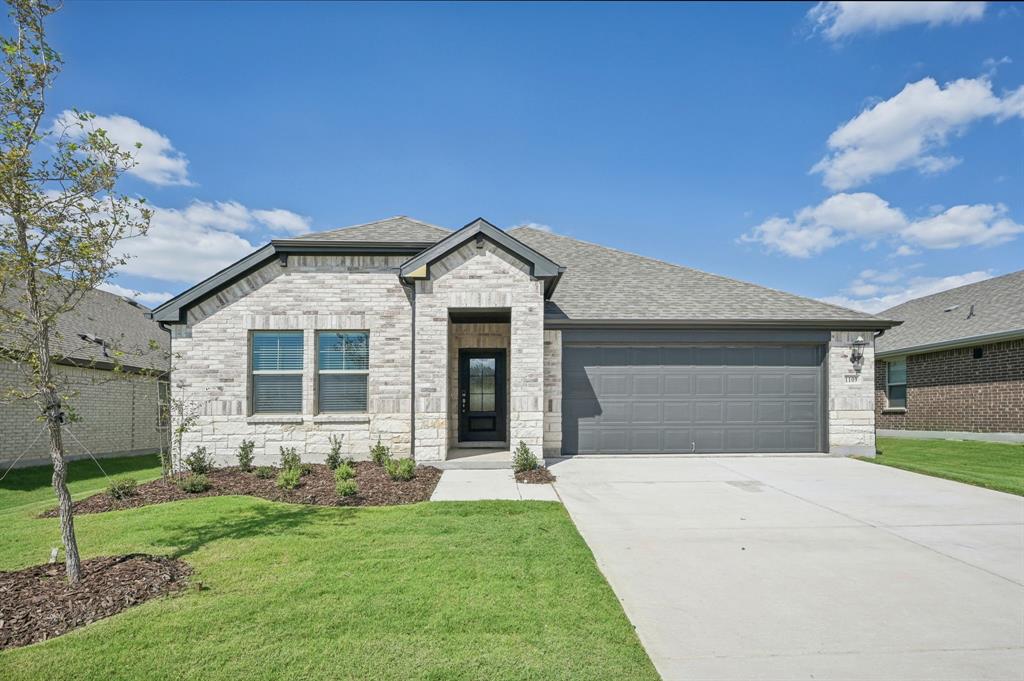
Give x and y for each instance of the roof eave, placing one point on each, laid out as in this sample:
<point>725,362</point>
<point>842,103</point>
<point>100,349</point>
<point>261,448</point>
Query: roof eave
<point>825,324</point>
<point>952,344</point>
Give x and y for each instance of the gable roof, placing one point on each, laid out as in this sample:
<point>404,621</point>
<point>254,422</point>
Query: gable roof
<point>397,229</point>
<point>606,284</point>
<point>989,310</point>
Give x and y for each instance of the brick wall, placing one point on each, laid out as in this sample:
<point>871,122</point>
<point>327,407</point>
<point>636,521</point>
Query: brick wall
<point>951,391</point>
<point>117,414</point>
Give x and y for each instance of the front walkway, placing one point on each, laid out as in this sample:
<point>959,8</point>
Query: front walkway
<point>478,485</point>
<point>799,568</point>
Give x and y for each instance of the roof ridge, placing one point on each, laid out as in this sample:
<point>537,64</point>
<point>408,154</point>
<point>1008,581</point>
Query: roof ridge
<point>699,271</point>
<point>952,290</point>
<point>377,222</point>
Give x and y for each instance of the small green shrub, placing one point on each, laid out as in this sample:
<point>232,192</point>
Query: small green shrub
<point>305,469</point>
<point>199,462</point>
<point>121,488</point>
<point>380,453</point>
<point>193,483</point>
<point>400,469</point>
<point>264,472</point>
<point>346,488</point>
<point>290,458</point>
<point>344,472</point>
<point>523,459</point>
<point>245,455</point>
<point>334,458</point>
<point>288,478</point>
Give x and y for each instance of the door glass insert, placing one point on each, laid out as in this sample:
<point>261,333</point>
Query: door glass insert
<point>481,383</point>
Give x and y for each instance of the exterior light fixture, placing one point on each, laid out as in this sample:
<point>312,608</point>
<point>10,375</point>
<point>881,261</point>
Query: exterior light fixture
<point>857,353</point>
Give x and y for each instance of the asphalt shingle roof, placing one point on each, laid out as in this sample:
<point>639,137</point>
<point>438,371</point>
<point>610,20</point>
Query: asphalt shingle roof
<point>399,228</point>
<point>992,306</point>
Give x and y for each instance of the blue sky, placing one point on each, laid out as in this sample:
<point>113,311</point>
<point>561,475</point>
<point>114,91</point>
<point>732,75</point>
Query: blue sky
<point>698,134</point>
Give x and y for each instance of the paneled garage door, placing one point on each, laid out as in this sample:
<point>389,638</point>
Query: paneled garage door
<point>692,398</point>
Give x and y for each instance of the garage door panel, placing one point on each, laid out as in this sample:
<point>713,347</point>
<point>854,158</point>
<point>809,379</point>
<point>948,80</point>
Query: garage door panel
<point>683,398</point>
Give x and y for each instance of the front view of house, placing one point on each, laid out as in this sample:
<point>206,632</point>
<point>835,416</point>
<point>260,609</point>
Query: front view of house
<point>433,340</point>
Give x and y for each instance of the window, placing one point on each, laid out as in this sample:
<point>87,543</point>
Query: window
<point>343,363</point>
<point>163,400</point>
<point>277,372</point>
<point>896,383</point>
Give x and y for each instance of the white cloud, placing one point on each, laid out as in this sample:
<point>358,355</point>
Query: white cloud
<point>156,162</point>
<point>540,226</point>
<point>837,20</point>
<point>191,244</point>
<point>868,217</point>
<point>150,299</point>
<point>906,130</point>
<point>873,296</point>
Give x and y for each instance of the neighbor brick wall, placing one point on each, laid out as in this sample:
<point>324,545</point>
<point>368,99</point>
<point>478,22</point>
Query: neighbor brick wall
<point>951,391</point>
<point>117,414</point>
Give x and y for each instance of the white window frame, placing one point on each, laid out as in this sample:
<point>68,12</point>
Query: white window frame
<point>253,372</point>
<point>889,384</point>
<point>358,372</point>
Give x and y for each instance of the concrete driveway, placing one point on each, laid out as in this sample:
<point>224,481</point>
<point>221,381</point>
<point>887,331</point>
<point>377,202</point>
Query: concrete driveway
<point>806,568</point>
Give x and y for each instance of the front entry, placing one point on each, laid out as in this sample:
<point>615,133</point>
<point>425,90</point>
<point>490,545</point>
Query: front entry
<point>482,403</point>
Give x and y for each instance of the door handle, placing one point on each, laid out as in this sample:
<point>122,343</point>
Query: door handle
<point>463,399</point>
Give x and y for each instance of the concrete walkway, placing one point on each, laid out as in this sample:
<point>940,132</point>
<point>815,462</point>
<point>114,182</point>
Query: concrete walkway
<point>810,568</point>
<point>478,485</point>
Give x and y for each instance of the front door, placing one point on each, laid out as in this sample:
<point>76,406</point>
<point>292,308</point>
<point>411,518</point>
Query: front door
<point>481,395</point>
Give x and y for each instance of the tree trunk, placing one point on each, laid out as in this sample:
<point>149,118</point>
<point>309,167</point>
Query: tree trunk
<point>72,561</point>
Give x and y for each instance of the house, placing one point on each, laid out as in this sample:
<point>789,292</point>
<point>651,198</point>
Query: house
<point>435,340</point>
<point>955,367</point>
<point>111,363</point>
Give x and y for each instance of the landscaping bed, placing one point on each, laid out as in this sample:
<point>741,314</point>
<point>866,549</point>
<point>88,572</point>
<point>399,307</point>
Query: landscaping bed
<point>316,487</point>
<point>37,603</point>
<point>538,476</point>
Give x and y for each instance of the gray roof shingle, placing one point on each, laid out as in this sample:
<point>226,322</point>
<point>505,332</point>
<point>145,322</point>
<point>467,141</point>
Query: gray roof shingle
<point>993,306</point>
<point>605,283</point>
<point>399,228</point>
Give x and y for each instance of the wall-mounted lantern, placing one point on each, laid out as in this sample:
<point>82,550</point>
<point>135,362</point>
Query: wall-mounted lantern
<point>857,353</point>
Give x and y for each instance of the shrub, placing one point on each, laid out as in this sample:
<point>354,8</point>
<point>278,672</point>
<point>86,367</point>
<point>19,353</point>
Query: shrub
<point>199,462</point>
<point>290,458</point>
<point>264,472</point>
<point>305,469</point>
<point>380,453</point>
<point>334,458</point>
<point>524,459</point>
<point>344,472</point>
<point>245,455</point>
<point>193,483</point>
<point>121,488</point>
<point>400,469</point>
<point>288,478</point>
<point>346,488</point>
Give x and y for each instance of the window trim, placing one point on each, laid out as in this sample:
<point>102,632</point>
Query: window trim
<point>318,372</point>
<point>276,372</point>
<point>888,384</point>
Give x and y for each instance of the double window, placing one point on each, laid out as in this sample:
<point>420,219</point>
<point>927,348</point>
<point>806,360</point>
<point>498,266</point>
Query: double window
<point>342,368</point>
<point>896,384</point>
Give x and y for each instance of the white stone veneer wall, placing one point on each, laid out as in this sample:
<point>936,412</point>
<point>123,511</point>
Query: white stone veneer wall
<point>327,293</point>
<point>851,396</point>
<point>552,393</point>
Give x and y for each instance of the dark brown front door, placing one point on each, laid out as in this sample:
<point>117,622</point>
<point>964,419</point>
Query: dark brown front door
<point>482,395</point>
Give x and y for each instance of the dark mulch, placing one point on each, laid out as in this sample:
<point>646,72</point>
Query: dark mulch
<point>538,476</point>
<point>317,487</point>
<point>37,603</point>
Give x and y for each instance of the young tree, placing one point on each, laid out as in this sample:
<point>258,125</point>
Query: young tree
<point>60,219</point>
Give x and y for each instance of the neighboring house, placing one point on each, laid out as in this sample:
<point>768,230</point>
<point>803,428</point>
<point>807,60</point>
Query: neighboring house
<point>955,367</point>
<point>112,360</point>
<point>433,340</point>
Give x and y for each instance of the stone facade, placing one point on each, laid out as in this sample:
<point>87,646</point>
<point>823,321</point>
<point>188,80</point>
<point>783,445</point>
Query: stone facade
<point>117,414</point>
<point>954,391</point>
<point>474,335</point>
<point>311,293</point>
<point>851,395</point>
<point>552,393</point>
<point>483,278</point>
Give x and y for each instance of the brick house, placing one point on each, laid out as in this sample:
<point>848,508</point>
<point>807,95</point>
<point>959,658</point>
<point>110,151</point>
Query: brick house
<point>955,366</point>
<point>446,343</point>
<point>116,411</point>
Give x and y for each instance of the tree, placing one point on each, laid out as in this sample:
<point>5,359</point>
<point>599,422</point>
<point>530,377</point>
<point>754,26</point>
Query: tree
<point>60,220</point>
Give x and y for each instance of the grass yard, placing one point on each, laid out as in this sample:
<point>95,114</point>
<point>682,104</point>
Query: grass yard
<point>986,464</point>
<point>464,590</point>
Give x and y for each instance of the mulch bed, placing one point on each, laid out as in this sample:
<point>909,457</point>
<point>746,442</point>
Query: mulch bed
<point>317,487</point>
<point>538,476</point>
<point>37,603</point>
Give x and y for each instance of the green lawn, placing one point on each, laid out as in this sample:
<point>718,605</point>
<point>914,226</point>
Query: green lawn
<point>480,590</point>
<point>986,464</point>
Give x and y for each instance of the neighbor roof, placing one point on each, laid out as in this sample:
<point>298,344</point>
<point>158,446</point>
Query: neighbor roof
<point>988,310</point>
<point>397,229</point>
<point>122,325</point>
<point>603,283</point>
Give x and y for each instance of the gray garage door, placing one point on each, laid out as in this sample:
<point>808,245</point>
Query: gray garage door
<point>691,398</point>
